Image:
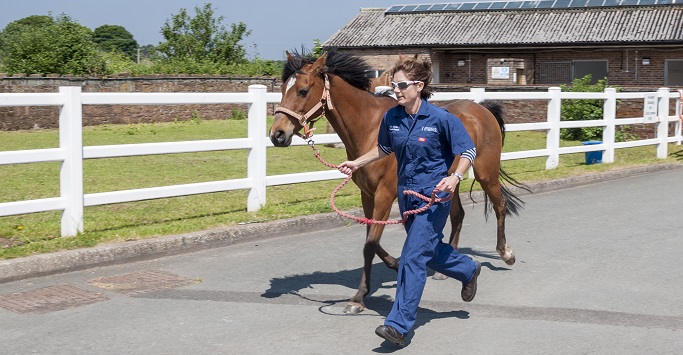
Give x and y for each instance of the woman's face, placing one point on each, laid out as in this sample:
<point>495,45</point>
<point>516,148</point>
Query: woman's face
<point>408,96</point>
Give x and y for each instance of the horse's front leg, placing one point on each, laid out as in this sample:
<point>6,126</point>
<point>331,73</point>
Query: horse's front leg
<point>376,209</point>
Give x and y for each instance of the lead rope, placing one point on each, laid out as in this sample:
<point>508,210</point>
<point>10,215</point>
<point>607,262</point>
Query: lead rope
<point>362,220</point>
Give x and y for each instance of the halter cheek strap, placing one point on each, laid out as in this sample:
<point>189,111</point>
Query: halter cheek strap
<point>308,117</point>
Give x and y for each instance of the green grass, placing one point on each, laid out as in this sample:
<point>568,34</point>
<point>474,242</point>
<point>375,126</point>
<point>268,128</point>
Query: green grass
<point>37,233</point>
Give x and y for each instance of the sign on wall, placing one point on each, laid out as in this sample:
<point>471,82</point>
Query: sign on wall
<point>500,72</point>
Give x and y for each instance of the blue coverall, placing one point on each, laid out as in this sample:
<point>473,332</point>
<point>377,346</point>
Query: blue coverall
<point>425,148</point>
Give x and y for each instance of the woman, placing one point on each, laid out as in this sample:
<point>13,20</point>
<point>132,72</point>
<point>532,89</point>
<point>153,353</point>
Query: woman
<point>426,140</point>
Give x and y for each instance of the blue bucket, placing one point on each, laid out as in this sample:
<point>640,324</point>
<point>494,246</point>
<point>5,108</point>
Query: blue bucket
<point>593,157</point>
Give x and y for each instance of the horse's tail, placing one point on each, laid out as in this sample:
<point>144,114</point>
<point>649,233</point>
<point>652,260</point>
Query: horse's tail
<point>512,202</point>
<point>497,110</point>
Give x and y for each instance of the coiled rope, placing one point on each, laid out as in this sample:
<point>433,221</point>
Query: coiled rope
<point>363,220</point>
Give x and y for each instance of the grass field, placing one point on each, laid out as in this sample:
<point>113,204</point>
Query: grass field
<point>24,235</point>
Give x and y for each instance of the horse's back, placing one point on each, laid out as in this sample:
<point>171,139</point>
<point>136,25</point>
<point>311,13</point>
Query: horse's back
<point>481,124</point>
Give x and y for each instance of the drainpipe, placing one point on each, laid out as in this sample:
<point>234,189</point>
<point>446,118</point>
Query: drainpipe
<point>636,66</point>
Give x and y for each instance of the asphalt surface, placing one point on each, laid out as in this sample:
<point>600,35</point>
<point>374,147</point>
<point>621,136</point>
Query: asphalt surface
<point>598,272</point>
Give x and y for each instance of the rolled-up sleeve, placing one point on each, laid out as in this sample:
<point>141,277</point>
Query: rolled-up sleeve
<point>470,154</point>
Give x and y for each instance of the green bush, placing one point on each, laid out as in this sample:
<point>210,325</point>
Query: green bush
<point>238,114</point>
<point>580,109</point>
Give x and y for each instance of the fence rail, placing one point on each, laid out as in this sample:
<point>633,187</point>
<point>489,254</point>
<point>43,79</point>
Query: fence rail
<point>71,151</point>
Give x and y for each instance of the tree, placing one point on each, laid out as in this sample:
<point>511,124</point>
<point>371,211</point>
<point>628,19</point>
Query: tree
<point>113,38</point>
<point>317,48</point>
<point>147,51</point>
<point>576,109</point>
<point>18,27</point>
<point>202,38</point>
<point>59,45</point>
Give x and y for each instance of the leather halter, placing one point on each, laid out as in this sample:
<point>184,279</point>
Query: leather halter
<point>312,116</point>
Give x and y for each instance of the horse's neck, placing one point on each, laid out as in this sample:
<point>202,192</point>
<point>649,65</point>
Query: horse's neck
<point>356,117</point>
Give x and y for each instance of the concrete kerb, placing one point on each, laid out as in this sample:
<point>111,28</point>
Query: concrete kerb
<point>71,260</point>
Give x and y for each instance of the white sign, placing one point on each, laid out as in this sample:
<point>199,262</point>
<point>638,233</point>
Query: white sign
<point>650,108</point>
<point>500,73</point>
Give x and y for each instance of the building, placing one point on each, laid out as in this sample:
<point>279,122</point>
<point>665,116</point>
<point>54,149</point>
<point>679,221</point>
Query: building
<point>635,43</point>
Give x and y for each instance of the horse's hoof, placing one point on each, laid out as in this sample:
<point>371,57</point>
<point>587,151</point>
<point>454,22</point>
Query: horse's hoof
<point>508,256</point>
<point>439,276</point>
<point>353,308</point>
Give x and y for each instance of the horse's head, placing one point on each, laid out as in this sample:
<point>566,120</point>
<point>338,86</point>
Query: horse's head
<point>303,87</point>
<point>306,92</point>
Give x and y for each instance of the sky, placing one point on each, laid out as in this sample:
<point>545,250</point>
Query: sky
<point>275,25</point>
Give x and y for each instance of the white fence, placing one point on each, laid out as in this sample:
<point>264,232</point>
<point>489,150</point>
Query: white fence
<point>71,151</point>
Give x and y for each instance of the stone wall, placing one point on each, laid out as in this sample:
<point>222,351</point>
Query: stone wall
<point>16,118</point>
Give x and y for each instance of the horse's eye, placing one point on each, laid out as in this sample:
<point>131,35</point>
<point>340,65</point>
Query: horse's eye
<point>303,92</point>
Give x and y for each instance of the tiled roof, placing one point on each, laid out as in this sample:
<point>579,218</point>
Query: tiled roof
<point>620,25</point>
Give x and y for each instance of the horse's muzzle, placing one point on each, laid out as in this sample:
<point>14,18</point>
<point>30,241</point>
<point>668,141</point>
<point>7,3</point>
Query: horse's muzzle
<point>280,138</point>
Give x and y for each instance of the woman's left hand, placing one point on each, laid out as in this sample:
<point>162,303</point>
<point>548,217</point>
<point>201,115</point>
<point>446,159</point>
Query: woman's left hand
<point>448,184</point>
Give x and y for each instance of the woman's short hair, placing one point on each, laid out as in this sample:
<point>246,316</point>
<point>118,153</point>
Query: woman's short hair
<point>415,69</point>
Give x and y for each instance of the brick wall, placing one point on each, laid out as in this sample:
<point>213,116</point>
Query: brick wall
<point>625,66</point>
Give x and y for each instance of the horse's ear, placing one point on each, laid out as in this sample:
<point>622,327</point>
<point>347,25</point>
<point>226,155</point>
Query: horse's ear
<point>288,55</point>
<point>323,57</point>
<point>319,64</point>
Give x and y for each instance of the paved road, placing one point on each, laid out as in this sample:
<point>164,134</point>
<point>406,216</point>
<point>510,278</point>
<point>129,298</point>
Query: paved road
<point>598,271</point>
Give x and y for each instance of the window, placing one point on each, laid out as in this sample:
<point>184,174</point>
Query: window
<point>596,68</point>
<point>673,72</point>
<point>555,73</point>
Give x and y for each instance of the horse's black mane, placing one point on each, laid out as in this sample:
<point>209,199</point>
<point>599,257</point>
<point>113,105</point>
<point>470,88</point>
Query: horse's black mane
<point>350,68</point>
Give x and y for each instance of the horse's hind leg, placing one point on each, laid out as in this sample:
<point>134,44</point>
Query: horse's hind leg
<point>493,190</point>
<point>378,209</point>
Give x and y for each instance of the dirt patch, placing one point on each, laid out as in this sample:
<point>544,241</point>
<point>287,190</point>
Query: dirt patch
<point>9,242</point>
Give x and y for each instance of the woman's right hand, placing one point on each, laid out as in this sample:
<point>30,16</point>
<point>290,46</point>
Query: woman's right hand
<point>348,167</point>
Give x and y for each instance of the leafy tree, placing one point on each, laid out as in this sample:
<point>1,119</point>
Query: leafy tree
<point>148,51</point>
<point>38,45</point>
<point>117,63</point>
<point>317,48</point>
<point>578,109</point>
<point>202,38</point>
<point>113,38</point>
<point>18,27</point>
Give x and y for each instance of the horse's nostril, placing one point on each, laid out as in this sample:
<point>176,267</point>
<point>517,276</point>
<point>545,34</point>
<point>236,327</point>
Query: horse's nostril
<point>278,137</point>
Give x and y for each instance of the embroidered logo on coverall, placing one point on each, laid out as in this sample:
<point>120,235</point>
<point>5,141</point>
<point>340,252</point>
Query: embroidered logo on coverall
<point>421,139</point>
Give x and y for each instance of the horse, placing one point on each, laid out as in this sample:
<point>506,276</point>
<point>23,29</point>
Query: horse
<point>336,85</point>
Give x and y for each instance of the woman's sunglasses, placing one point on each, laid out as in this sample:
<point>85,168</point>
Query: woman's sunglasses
<point>403,84</point>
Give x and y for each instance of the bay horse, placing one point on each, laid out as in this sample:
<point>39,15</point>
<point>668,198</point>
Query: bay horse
<point>335,85</point>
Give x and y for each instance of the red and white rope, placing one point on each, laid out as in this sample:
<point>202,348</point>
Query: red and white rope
<point>363,220</point>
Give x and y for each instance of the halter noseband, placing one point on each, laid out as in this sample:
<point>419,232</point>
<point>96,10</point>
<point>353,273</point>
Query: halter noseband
<point>309,117</point>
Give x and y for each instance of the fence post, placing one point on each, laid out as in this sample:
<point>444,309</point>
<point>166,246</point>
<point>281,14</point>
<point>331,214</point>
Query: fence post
<point>553,136</point>
<point>662,132</point>
<point>679,123</point>
<point>256,170</point>
<point>609,115</point>
<point>477,94</point>
<point>71,171</point>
